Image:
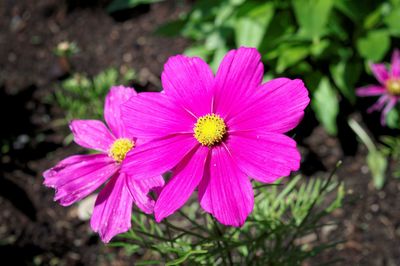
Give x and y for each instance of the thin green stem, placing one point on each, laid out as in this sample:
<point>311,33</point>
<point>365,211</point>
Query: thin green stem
<point>220,234</point>
<point>362,134</point>
<point>171,240</point>
<point>183,230</point>
<point>267,185</point>
<point>193,221</point>
<point>151,235</point>
<point>306,217</point>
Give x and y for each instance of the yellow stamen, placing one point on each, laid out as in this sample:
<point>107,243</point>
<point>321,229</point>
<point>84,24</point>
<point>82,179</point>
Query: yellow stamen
<point>393,86</point>
<point>120,148</point>
<point>209,129</point>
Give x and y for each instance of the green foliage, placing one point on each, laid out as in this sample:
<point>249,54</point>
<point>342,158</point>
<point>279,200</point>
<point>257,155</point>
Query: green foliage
<point>377,163</point>
<point>66,49</point>
<point>272,235</point>
<point>375,45</point>
<point>312,17</point>
<point>253,21</point>
<point>345,74</point>
<point>392,149</point>
<point>393,118</point>
<point>117,5</point>
<point>392,21</point>
<point>325,105</point>
<point>376,159</point>
<point>324,42</point>
<point>82,97</point>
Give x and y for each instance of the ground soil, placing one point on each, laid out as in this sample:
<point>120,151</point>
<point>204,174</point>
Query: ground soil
<point>35,230</point>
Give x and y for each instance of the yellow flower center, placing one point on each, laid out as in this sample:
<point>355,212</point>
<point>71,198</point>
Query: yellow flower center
<point>393,86</point>
<point>120,148</point>
<point>209,129</point>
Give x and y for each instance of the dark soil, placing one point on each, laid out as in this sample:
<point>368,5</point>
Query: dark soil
<point>368,225</point>
<point>35,230</point>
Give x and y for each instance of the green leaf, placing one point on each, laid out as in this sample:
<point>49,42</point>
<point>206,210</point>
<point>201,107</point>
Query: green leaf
<point>312,16</point>
<point>395,2</point>
<point>375,45</point>
<point>362,134</point>
<point>252,24</point>
<point>373,19</point>
<point>288,188</point>
<point>185,257</point>
<point>326,105</point>
<point>117,5</point>
<point>376,160</point>
<point>199,51</point>
<point>281,26</point>
<point>291,56</point>
<point>377,163</point>
<point>217,58</point>
<point>318,47</point>
<point>301,69</point>
<point>214,40</point>
<point>236,2</point>
<point>356,10</point>
<point>392,20</point>
<point>337,203</point>
<point>224,15</point>
<point>172,28</point>
<point>393,119</point>
<point>345,74</point>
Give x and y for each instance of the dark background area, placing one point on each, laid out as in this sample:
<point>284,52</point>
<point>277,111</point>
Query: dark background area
<point>34,230</point>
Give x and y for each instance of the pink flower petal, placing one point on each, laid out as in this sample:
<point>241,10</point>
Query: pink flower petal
<point>157,156</point>
<point>278,107</point>
<point>140,189</point>
<point>112,109</point>
<point>379,104</point>
<point>239,75</point>
<point>189,81</point>
<point>70,164</point>
<point>264,156</point>
<point>92,134</point>
<point>152,114</point>
<point>112,210</point>
<point>372,90</point>
<point>77,176</point>
<point>395,67</point>
<point>72,167</point>
<point>225,191</point>
<point>389,106</point>
<point>187,176</point>
<point>380,72</point>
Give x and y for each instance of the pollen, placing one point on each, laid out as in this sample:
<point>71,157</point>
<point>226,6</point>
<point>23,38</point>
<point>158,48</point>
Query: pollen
<point>209,129</point>
<point>120,148</point>
<point>393,86</point>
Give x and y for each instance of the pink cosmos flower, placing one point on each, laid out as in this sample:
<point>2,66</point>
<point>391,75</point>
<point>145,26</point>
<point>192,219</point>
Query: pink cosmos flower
<point>77,176</point>
<point>215,132</point>
<point>388,89</point>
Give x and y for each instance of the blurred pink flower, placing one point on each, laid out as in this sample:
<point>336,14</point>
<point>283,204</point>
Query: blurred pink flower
<point>215,133</point>
<point>388,89</point>
<point>77,176</point>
